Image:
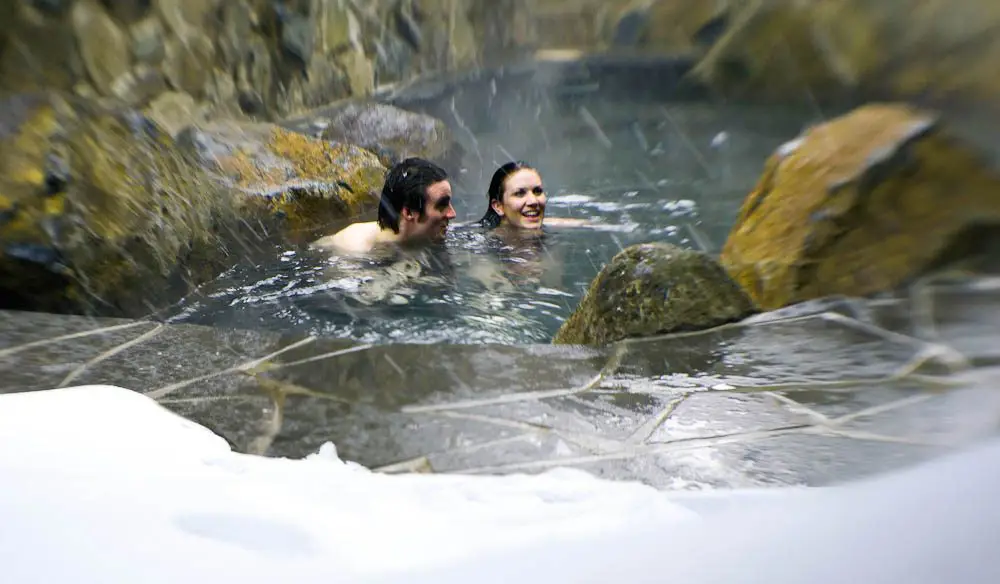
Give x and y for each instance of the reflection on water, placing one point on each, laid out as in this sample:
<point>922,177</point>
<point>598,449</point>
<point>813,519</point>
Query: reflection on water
<point>675,174</point>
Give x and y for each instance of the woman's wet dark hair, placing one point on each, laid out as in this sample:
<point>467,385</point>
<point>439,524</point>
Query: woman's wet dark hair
<point>491,220</point>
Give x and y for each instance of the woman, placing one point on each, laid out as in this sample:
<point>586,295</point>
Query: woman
<point>517,200</point>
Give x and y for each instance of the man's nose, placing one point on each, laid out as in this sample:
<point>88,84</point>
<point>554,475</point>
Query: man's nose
<point>450,213</point>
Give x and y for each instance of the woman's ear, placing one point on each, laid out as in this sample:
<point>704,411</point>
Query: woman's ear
<point>497,207</point>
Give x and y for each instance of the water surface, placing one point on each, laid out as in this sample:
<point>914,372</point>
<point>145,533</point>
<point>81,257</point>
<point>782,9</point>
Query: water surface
<point>638,171</point>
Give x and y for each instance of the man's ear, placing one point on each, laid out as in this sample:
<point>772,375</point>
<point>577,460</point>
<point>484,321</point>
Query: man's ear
<point>497,207</point>
<point>407,214</point>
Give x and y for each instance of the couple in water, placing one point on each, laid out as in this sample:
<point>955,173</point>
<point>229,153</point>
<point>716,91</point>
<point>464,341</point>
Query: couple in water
<point>416,207</point>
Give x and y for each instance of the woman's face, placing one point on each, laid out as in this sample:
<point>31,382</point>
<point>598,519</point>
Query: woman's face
<point>522,204</point>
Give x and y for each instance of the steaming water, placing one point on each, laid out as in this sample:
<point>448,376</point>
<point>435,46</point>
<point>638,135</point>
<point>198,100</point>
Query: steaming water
<point>638,172</point>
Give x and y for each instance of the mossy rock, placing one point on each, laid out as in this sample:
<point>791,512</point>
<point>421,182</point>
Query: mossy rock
<point>862,204</point>
<point>305,182</point>
<point>99,211</point>
<point>669,26</point>
<point>891,49</point>
<point>391,132</point>
<point>654,288</point>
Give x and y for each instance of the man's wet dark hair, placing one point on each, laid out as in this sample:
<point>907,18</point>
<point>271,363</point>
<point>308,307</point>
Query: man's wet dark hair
<point>406,188</point>
<point>495,193</point>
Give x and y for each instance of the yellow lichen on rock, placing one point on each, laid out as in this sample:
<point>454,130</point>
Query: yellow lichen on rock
<point>98,211</point>
<point>859,205</point>
<point>308,182</point>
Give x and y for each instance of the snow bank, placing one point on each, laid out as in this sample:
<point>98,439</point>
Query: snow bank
<point>100,484</point>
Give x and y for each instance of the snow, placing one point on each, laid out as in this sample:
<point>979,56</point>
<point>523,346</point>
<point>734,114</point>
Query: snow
<point>101,484</point>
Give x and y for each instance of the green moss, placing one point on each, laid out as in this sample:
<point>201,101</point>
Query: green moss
<point>651,289</point>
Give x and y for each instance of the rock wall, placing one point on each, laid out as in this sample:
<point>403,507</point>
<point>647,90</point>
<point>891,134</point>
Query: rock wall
<point>185,60</point>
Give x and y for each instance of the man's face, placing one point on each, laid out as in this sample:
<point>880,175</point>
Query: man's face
<point>438,211</point>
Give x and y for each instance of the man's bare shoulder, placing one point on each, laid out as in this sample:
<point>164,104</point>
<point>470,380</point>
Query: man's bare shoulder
<point>356,238</point>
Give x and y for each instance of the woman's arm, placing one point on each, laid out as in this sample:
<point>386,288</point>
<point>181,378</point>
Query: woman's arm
<point>565,222</point>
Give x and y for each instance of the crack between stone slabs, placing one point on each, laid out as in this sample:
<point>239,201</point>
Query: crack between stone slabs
<point>799,408</point>
<point>881,409</point>
<point>200,399</point>
<point>423,463</point>
<point>267,367</point>
<point>875,437</point>
<point>613,362</point>
<point>262,443</point>
<point>167,390</point>
<point>904,373</point>
<point>645,431</point>
<point>110,353</point>
<point>940,348</point>
<point>588,442</point>
<point>828,316</point>
<point>275,387</point>
<point>679,445</point>
<point>41,343</point>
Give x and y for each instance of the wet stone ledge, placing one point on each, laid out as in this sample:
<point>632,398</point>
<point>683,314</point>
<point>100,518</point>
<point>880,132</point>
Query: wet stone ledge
<point>815,394</point>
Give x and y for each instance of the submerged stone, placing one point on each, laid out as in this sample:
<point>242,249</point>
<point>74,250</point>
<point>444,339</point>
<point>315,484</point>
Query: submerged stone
<point>306,182</point>
<point>654,288</point>
<point>862,204</point>
<point>99,211</point>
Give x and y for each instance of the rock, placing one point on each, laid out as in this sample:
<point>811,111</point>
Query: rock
<point>48,55</point>
<point>99,212</point>
<point>861,204</point>
<point>651,289</point>
<point>298,34</point>
<point>184,16</point>
<point>138,86</point>
<point>391,132</point>
<point>505,29</point>
<point>147,41</point>
<point>340,29</point>
<point>104,47</point>
<point>305,181</point>
<point>898,49</point>
<point>669,26</point>
<point>174,111</point>
<point>128,10</point>
<point>358,70</point>
<point>185,63</point>
<point>51,7</point>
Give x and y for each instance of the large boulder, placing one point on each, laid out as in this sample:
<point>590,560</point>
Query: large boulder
<point>654,288</point>
<point>99,211</point>
<point>308,183</point>
<point>937,49</point>
<point>861,204</point>
<point>392,132</point>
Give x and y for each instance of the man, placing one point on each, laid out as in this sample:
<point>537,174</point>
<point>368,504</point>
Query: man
<point>415,208</point>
